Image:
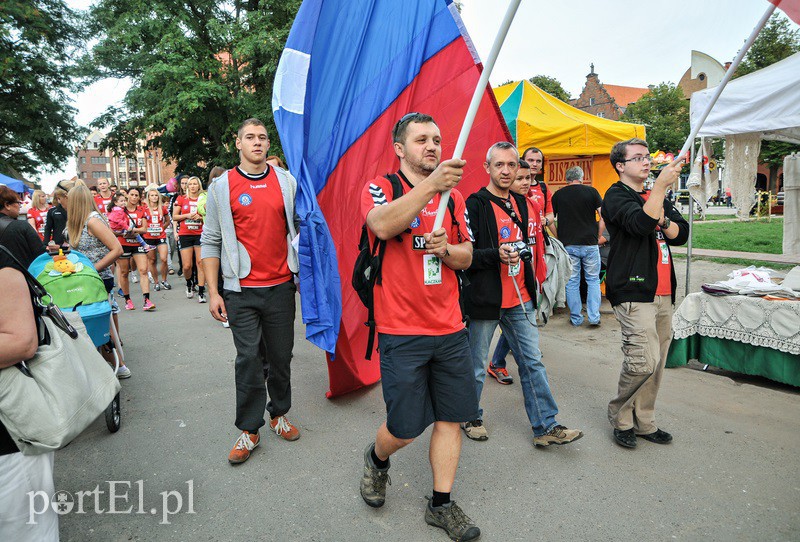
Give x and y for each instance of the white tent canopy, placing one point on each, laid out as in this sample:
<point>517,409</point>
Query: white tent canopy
<point>766,102</point>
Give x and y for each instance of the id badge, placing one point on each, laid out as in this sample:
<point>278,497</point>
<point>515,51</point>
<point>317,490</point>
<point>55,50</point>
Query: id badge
<point>513,270</point>
<point>664,252</point>
<point>432,269</point>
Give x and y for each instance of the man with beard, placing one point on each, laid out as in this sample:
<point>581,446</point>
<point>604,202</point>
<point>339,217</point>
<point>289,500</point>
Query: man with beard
<point>426,369</point>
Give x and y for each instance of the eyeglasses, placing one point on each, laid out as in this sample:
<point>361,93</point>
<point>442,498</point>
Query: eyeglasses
<point>405,118</point>
<point>645,158</point>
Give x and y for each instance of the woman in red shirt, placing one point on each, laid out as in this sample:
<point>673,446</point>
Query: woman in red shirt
<point>191,227</point>
<point>38,212</point>
<point>133,249</point>
<point>156,220</point>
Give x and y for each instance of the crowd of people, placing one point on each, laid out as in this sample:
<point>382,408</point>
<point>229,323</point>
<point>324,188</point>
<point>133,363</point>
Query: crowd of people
<point>440,298</point>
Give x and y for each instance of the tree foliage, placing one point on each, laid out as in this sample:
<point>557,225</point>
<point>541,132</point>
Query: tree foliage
<point>38,38</point>
<point>776,41</point>
<point>199,67</point>
<point>551,85</point>
<point>665,112</point>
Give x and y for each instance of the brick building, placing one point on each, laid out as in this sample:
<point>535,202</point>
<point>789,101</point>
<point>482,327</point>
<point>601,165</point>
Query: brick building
<point>606,101</point>
<point>147,167</point>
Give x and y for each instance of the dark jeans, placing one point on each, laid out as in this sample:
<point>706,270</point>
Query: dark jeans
<point>262,321</point>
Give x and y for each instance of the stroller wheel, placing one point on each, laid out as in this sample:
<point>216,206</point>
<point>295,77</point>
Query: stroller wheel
<point>113,416</point>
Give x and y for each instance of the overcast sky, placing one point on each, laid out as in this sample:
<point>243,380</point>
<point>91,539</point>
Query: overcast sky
<point>631,43</point>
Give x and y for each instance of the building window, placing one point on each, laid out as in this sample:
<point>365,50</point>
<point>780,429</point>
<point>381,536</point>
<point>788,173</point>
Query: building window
<point>131,163</point>
<point>591,101</point>
<point>83,174</point>
<point>702,77</point>
<point>83,159</point>
<point>98,174</point>
<point>601,115</point>
<point>141,162</point>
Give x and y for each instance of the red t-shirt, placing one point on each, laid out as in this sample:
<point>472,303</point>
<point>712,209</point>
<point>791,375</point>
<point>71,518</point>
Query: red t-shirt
<point>537,194</point>
<point>419,293</point>
<point>156,222</point>
<point>102,203</point>
<point>39,217</point>
<point>508,232</point>
<point>259,218</point>
<point>188,226</point>
<point>137,218</point>
<point>664,259</point>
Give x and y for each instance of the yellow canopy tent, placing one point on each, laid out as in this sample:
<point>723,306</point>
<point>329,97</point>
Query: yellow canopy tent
<point>566,135</point>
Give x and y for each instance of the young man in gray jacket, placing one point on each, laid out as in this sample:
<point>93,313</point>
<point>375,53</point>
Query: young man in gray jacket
<point>249,226</point>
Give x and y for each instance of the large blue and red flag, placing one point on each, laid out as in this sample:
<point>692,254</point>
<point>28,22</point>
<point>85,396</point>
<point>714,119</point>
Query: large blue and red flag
<point>350,70</point>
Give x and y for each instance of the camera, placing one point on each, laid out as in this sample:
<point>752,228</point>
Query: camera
<point>523,249</point>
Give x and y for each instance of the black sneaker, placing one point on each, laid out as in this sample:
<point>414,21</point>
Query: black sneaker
<point>626,439</point>
<point>373,481</point>
<point>659,437</point>
<point>453,520</point>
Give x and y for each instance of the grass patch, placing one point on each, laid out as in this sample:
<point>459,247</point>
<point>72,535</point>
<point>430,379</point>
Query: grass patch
<point>752,236</point>
<point>711,218</point>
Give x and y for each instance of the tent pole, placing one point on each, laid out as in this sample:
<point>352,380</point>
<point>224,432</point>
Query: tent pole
<point>476,101</point>
<point>691,230</point>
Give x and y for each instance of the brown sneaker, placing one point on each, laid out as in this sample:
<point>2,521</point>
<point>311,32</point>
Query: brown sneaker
<point>557,435</point>
<point>242,448</point>
<point>475,430</point>
<point>284,429</point>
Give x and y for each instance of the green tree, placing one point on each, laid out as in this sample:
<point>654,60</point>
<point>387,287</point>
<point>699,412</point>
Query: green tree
<point>551,85</point>
<point>199,67</point>
<point>38,38</point>
<point>776,41</point>
<point>665,112</point>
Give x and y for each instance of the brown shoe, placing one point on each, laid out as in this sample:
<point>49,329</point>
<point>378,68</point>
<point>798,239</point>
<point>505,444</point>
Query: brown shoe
<point>557,435</point>
<point>284,429</point>
<point>242,448</point>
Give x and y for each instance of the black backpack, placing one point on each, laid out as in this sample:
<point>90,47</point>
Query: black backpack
<point>367,269</point>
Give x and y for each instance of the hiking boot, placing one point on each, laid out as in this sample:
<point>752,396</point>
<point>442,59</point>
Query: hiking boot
<point>500,374</point>
<point>283,428</point>
<point>148,305</point>
<point>244,445</point>
<point>129,305</point>
<point>658,437</point>
<point>557,435</point>
<point>453,520</point>
<point>374,480</point>
<point>626,439</point>
<point>123,372</point>
<point>475,430</point>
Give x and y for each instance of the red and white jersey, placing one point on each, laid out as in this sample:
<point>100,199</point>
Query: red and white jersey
<point>508,232</point>
<point>103,203</point>
<point>418,294</point>
<point>186,206</point>
<point>536,193</point>
<point>156,221</point>
<point>39,218</point>
<point>137,220</point>
<point>259,217</point>
<point>664,259</point>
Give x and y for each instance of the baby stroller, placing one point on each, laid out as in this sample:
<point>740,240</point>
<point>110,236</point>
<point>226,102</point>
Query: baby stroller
<point>74,285</point>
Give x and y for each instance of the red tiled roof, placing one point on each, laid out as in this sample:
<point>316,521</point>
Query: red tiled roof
<point>625,95</point>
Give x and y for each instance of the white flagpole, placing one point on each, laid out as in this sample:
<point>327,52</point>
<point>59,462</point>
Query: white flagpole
<point>725,80</point>
<point>476,101</point>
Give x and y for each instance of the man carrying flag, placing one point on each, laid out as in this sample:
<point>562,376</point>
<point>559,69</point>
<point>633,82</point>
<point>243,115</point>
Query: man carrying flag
<point>426,366</point>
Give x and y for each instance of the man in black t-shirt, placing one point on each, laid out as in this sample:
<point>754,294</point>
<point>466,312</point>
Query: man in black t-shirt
<point>575,206</point>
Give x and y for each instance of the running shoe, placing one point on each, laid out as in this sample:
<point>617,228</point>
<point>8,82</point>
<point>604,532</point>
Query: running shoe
<point>148,305</point>
<point>201,298</point>
<point>129,305</point>
<point>123,372</point>
<point>119,292</point>
<point>166,285</point>
<point>242,447</point>
<point>150,278</point>
<point>189,292</point>
<point>134,277</point>
<point>157,287</point>
<point>283,428</point>
<point>500,374</point>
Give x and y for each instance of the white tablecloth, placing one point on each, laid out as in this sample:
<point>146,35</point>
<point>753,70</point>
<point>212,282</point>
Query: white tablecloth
<point>751,320</point>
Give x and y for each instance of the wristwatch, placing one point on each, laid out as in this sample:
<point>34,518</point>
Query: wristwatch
<point>666,224</point>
